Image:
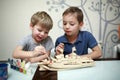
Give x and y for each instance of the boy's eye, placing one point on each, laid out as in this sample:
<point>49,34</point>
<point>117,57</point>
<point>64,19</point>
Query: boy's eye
<point>39,30</point>
<point>72,24</point>
<point>46,32</point>
<point>64,23</point>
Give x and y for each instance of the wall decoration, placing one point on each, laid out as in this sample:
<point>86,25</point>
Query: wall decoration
<point>101,17</point>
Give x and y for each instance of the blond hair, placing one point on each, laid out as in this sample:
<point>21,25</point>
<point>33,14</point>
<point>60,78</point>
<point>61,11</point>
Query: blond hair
<point>43,19</point>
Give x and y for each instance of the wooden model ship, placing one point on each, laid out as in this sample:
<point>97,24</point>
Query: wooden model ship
<point>61,62</point>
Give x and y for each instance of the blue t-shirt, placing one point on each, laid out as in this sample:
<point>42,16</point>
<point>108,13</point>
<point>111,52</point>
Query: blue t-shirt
<point>84,41</point>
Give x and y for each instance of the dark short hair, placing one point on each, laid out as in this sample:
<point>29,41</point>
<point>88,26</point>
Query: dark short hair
<point>74,10</point>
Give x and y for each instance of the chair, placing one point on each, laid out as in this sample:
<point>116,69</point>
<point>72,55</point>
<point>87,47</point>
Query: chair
<point>117,51</point>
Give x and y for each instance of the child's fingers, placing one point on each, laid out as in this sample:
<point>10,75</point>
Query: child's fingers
<point>43,52</point>
<point>39,48</point>
<point>59,50</point>
<point>61,45</point>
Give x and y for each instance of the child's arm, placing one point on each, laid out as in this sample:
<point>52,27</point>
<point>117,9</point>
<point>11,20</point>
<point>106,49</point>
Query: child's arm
<point>19,53</point>
<point>44,54</point>
<point>39,58</point>
<point>96,53</point>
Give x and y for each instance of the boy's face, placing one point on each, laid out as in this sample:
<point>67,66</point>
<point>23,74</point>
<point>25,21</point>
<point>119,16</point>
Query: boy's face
<point>71,25</point>
<point>39,33</point>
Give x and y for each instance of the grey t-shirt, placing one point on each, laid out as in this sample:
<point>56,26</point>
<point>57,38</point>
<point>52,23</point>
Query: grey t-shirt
<point>29,44</point>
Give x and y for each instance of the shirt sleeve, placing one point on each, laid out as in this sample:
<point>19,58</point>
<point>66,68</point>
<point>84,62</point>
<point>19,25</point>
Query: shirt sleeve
<point>91,41</point>
<point>49,44</point>
<point>56,43</point>
<point>22,42</point>
<point>25,43</point>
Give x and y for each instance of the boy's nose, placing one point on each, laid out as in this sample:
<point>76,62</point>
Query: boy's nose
<point>42,33</point>
<point>67,26</point>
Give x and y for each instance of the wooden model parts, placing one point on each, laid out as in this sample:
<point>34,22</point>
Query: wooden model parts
<point>69,61</point>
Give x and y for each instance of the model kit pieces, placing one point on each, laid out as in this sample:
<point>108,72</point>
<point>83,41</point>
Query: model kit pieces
<point>71,61</point>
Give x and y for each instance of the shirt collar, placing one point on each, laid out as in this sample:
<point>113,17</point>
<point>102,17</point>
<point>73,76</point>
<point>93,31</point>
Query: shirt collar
<point>79,36</point>
<point>64,39</point>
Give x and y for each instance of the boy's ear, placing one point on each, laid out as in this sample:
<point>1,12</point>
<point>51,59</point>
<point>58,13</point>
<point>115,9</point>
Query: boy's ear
<point>81,24</point>
<point>31,26</point>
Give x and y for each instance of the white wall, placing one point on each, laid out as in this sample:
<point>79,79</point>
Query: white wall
<point>15,17</point>
<point>14,22</point>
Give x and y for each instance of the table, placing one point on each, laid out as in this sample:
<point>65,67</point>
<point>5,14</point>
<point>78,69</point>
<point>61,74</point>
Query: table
<point>103,70</point>
<point>16,75</point>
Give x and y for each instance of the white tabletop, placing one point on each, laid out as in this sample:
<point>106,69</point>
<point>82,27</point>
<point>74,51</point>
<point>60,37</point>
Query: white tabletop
<point>16,75</point>
<point>103,70</point>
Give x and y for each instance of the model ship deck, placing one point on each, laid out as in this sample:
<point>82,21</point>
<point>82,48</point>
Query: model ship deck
<point>68,62</point>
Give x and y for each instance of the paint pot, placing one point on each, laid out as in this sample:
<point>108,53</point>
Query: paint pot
<point>3,71</point>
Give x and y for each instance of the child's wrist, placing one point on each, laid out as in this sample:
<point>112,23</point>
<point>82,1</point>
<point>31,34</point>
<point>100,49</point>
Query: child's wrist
<point>46,56</point>
<point>32,54</point>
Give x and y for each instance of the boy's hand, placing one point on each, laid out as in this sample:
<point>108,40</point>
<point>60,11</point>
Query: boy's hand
<point>60,49</point>
<point>39,50</point>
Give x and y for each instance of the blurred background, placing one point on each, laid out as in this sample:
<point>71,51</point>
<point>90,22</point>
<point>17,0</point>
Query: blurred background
<point>101,18</point>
